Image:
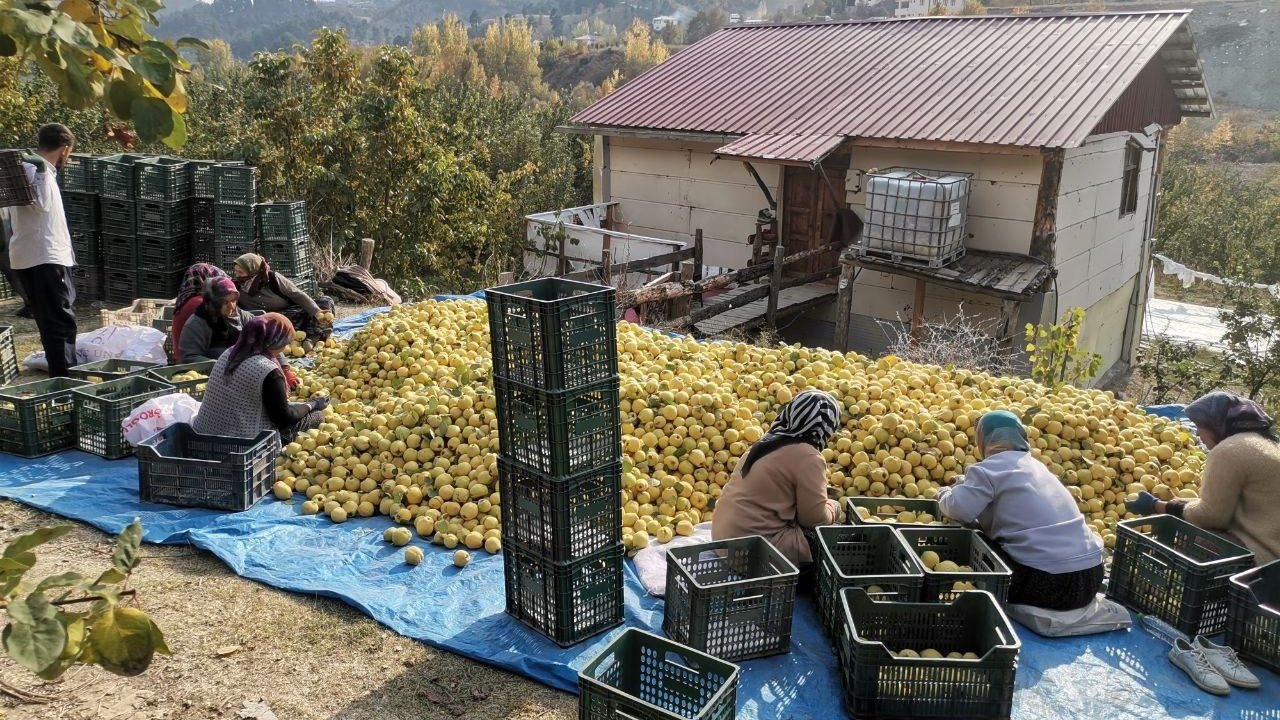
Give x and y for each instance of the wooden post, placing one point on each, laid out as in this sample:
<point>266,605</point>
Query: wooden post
<point>844,305</point>
<point>606,242</point>
<point>606,270</point>
<point>562,261</point>
<point>917,312</point>
<point>679,307</point>
<point>1044,225</point>
<point>698,267</point>
<point>775,282</point>
<point>366,253</point>
<point>757,243</point>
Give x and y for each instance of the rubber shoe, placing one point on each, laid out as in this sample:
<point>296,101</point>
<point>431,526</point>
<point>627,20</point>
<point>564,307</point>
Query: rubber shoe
<point>1196,665</point>
<point>1224,660</point>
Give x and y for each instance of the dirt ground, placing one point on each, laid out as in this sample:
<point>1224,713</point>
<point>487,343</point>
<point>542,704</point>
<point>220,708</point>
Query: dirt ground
<point>245,651</point>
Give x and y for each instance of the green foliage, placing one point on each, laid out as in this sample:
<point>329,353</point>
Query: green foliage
<point>46,638</point>
<point>1251,358</point>
<point>640,51</point>
<point>1178,371</point>
<point>1055,355</point>
<point>101,51</point>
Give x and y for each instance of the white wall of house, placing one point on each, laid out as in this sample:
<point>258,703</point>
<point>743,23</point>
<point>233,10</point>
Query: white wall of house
<point>1099,251</point>
<point>668,189</point>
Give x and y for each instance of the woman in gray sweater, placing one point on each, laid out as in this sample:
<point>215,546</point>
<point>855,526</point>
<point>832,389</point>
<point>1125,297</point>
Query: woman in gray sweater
<point>215,325</point>
<point>262,288</point>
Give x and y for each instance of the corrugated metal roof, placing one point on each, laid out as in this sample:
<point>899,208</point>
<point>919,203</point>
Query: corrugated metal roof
<point>1033,80</point>
<point>806,149</point>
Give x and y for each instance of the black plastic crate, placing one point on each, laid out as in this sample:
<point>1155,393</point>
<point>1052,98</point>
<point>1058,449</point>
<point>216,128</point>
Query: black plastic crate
<point>120,252</point>
<point>1169,568</point>
<point>87,280</point>
<point>568,601</point>
<point>559,433</point>
<point>110,369</point>
<point>961,546</point>
<point>282,221</point>
<point>730,598</point>
<point>159,283</point>
<point>119,287</point>
<point>298,270</point>
<point>6,292</point>
<point>875,559</point>
<point>171,253</point>
<point>877,684</point>
<point>102,408</point>
<point>203,182</point>
<point>178,466</point>
<point>81,210</point>
<point>225,253</point>
<point>561,518</point>
<point>15,191</point>
<point>194,387</point>
<point>78,174</point>
<point>234,224</point>
<point>9,356</point>
<point>202,215</point>
<point>38,418</point>
<point>278,251</point>
<point>87,245</point>
<point>236,185</point>
<point>1253,618</point>
<point>116,176</point>
<point>164,219</point>
<point>162,178</point>
<point>641,676</point>
<point>553,334</point>
<point>899,505</point>
<point>118,217</point>
<point>204,248</point>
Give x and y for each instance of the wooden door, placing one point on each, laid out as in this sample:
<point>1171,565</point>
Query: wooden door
<point>810,215</point>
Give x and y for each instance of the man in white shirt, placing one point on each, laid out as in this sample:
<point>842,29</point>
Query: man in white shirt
<point>40,250</point>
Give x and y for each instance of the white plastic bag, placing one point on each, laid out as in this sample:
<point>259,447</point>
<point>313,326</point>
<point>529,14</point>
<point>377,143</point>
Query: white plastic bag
<point>1101,615</point>
<point>651,562</point>
<point>124,342</point>
<point>157,414</point>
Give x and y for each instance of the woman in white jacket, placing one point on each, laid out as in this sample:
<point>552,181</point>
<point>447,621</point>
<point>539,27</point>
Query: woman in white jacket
<point>1038,530</point>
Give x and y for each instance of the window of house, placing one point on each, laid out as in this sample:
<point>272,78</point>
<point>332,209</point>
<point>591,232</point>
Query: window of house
<point>1129,186</point>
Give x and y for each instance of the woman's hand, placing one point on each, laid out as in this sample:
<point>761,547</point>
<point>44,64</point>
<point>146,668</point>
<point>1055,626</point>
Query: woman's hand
<point>1144,504</point>
<point>291,378</point>
<point>319,403</point>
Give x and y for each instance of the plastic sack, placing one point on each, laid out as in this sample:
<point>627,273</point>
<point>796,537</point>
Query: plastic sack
<point>1101,615</point>
<point>124,342</point>
<point>157,414</point>
<point>651,562</point>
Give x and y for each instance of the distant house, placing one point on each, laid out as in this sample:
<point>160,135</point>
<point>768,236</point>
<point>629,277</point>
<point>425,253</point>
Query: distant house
<point>915,8</point>
<point>662,22</point>
<point>588,40</point>
<point>1059,120</point>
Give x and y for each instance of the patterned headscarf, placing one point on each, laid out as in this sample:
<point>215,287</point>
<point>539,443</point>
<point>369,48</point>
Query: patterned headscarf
<point>1000,431</point>
<point>257,269</point>
<point>262,335</point>
<point>193,282</point>
<point>216,292</point>
<point>812,417</point>
<point>1225,414</point>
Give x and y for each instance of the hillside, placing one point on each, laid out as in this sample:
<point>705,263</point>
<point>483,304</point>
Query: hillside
<point>1237,43</point>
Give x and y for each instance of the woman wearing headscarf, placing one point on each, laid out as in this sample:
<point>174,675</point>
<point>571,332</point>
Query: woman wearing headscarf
<point>214,326</point>
<point>1037,527</point>
<point>190,297</point>
<point>247,392</point>
<point>1240,483</point>
<point>779,489</point>
<point>262,288</point>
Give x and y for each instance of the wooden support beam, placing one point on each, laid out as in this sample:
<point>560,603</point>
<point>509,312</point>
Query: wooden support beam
<point>366,253</point>
<point>844,305</point>
<point>597,273</point>
<point>698,259</point>
<point>1044,225</point>
<point>1009,311</point>
<point>680,306</point>
<point>917,311</point>
<point>746,298</point>
<point>775,284</point>
<point>562,256</point>
<point>768,195</point>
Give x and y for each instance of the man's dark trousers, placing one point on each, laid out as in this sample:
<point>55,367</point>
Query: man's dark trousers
<point>51,297</point>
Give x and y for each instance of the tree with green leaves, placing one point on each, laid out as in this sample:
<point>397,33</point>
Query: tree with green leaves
<point>102,50</point>
<point>1251,358</point>
<point>1055,354</point>
<point>69,619</point>
<point>640,50</point>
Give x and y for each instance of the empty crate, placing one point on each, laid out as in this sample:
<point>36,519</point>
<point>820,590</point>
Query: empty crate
<point>559,433</point>
<point>553,334</point>
<point>1253,624</point>
<point>179,466</point>
<point>561,518</point>
<point>566,601</point>
<point>641,676</point>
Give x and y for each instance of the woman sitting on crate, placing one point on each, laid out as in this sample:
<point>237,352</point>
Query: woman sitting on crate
<point>190,297</point>
<point>1035,523</point>
<point>247,392</point>
<point>779,489</point>
<point>214,326</point>
<point>1240,483</point>
<point>262,288</point>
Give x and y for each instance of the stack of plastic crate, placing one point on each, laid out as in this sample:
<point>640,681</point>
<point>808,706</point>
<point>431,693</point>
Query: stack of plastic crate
<point>163,240</point>
<point>235,190</point>
<point>284,241</point>
<point>204,202</point>
<point>118,220</point>
<point>78,180</point>
<point>555,377</point>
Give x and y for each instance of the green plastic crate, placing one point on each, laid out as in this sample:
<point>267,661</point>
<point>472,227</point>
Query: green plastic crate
<point>101,409</point>
<point>81,211</point>
<point>282,221</point>
<point>120,252</point>
<point>641,676</point>
<point>164,254</point>
<point>566,601</point>
<point>203,212</point>
<point>561,518</point>
<point>1167,567</point>
<point>119,287</point>
<point>6,292</point>
<point>178,466</point>
<point>87,245</point>
<point>159,219</point>
<point>162,178</point>
<point>234,224</point>
<point>159,283</point>
<point>553,334</point>
<point>110,369</point>
<point>963,547</point>
<point>193,387</point>
<point>78,174</point>
<point>1253,622</point>
<point>878,685</point>
<point>118,217</point>
<point>916,505</point>
<point>38,418</point>
<point>236,185</point>
<point>730,598</point>
<point>116,175</point>
<point>87,280</point>
<point>559,433</point>
<point>203,182</point>
<point>8,355</point>
<point>876,559</point>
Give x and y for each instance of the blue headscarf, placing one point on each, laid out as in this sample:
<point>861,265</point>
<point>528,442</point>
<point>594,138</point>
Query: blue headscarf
<point>1001,431</point>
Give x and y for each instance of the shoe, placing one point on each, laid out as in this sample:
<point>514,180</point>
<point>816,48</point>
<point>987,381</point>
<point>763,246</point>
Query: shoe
<point>1224,660</point>
<point>1194,663</point>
